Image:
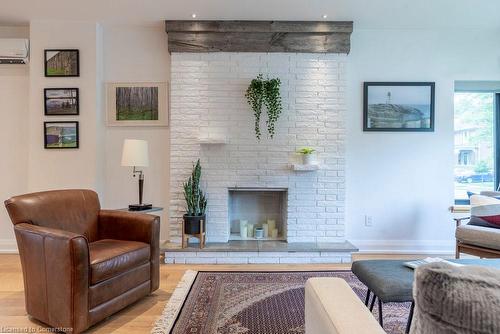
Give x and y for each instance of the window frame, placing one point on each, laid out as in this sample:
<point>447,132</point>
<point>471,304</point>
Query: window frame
<point>496,139</point>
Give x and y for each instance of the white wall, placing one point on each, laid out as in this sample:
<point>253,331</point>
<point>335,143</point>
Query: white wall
<point>14,88</point>
<point>405,180</point>
<point>68,168</point>
<point>112,53</point>
<point>135,54</point>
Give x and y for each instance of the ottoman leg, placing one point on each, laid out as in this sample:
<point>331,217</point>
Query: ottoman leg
<point>367,297</point>
<point>410,318</point>
<point>373,302</point>
<point>380,318</point>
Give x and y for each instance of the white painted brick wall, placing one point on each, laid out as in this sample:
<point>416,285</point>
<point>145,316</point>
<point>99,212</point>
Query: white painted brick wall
<point>207,98</point>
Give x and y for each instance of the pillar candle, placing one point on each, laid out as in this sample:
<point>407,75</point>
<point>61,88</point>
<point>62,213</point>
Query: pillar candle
<point>250,230</point>
<point>243,224</point>
<point>266,230</point>
<point>274,233</point>
<point>244,231</point>
<point>272,224</point>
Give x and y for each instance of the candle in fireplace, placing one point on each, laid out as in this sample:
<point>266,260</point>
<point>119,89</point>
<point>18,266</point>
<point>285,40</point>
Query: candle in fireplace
<point>243,228</point>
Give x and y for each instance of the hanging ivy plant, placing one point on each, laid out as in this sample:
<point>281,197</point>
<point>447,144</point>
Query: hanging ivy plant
<point>265,92</point>
<point>273,103</point>
<point>255,98</point>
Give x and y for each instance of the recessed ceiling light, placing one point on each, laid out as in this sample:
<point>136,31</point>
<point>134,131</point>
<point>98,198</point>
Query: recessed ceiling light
<point>324,16</point>
<point>193,15</point>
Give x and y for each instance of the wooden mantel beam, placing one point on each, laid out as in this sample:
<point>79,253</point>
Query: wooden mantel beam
<point>259,36</point>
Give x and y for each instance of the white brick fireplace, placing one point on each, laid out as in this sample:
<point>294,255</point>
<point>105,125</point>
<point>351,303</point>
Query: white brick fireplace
<point>211,120</point>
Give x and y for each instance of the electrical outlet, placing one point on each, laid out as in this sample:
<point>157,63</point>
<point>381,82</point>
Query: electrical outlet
<point>368,221</point>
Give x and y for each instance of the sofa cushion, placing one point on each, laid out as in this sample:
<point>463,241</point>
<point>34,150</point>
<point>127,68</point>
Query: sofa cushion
<point>109,257</point>
<point>459,300</point>
<point>479,236</point>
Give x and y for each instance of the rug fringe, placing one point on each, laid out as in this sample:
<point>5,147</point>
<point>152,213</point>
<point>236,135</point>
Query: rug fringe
<point>166,321</point>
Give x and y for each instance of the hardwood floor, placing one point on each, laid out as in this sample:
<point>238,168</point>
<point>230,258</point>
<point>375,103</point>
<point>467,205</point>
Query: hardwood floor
<point>139,317</point>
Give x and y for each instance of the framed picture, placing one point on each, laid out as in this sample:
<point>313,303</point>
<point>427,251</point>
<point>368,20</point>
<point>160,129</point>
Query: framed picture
<point>61,101</point>
<point>63,134</point>
<point>137,104</point>
<point>62,63</point>
<point>398,106</point>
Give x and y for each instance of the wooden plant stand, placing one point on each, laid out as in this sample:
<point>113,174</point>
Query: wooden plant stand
<point>200,236</point>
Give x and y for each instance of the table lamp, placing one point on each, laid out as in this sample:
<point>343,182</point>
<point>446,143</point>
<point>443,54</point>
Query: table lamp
<point>135,154</point>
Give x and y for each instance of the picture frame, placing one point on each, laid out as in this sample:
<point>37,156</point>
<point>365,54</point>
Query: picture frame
<point>137,104</point>
<point>61,135</point>
<point>61,101</point>
<point>398,106</point>
<point>62,62</point>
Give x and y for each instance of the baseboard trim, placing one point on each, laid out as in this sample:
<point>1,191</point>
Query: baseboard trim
<point>8,246</point>
<point>444,247</point>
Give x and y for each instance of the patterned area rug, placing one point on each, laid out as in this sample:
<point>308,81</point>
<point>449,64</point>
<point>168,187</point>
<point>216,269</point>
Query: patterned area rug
<point>254,303</point>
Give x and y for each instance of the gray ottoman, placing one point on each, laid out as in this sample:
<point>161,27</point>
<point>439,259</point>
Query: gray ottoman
<point>391,281</point>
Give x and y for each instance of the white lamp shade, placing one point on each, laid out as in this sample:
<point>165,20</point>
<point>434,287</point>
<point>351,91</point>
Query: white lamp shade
<point>135,153</point>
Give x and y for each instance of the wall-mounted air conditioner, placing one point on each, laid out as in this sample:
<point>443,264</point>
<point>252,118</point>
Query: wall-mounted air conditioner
<point>14,51</point>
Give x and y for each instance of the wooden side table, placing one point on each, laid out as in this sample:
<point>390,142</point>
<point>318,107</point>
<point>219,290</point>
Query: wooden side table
<point>200,236</point>
<point>153,209</point>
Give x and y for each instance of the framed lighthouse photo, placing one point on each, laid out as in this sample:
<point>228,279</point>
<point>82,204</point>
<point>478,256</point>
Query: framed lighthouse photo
<point>398,106</point>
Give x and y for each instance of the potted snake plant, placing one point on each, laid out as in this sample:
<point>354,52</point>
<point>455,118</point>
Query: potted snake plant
<point>196,202</point>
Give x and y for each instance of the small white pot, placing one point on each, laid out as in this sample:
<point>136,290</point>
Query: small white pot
<point>308,159</point>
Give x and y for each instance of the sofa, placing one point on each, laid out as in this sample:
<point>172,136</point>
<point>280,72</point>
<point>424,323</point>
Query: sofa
<point>333,308</point>
<point>80,263</point>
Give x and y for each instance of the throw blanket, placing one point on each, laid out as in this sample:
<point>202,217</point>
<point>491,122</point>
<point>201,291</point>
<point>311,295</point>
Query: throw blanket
<point>451,299</point>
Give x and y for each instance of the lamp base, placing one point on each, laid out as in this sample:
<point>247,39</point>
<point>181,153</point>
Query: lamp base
<point>139,207</point>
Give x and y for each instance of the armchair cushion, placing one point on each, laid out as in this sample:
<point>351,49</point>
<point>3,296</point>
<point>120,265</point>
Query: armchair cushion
<point>135,227</point>
<point>479,236</point>
<point>109,258</point>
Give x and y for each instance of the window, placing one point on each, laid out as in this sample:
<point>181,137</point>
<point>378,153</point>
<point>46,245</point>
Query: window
<point>475,141</point>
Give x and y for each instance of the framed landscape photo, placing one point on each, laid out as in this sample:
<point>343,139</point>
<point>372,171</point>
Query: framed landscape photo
<point>137,104</point>
<point>62,63</point>
<point>61,135</point>
<point>398,106</point>
<point>61,101</point>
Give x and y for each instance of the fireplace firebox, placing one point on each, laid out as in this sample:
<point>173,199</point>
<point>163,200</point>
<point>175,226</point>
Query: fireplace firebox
<point>257,213</point>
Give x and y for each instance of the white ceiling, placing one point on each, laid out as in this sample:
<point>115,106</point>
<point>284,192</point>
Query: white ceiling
<point>370,14</point>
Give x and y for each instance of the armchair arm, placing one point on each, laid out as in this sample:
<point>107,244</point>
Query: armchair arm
<point>123,225</point>
<point>56,275</point>
<point>145,228</point>
<point>331,306</point>
<point>458,220</point>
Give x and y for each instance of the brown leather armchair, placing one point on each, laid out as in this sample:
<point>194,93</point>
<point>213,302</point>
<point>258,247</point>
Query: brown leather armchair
<point>80,263</point>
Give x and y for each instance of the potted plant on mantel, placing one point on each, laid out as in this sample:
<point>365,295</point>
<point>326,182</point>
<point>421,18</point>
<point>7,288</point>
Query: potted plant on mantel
<point>196,202</point>
<point>307,155</point>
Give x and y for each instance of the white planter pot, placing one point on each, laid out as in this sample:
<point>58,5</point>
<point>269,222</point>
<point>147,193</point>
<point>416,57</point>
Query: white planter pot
<point>308,159</point>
